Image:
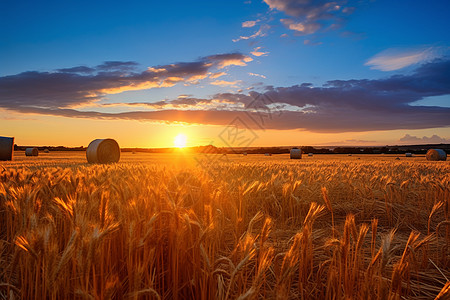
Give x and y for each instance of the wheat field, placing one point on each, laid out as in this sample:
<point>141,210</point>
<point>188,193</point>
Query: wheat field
<point>184,226</point>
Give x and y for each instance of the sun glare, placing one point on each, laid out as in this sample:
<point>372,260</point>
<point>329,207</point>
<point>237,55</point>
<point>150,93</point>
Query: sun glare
<point>180,141</point>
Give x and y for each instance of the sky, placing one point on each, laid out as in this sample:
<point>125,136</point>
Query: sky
<point>227,73</point>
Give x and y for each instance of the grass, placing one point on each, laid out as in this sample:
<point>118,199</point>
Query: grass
<point>162,227</point>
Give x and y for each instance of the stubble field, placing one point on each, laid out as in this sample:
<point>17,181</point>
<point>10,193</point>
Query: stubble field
<point>185,226</point>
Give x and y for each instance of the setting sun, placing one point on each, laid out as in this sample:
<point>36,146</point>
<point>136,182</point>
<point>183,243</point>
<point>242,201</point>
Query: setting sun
<point>180,140</point>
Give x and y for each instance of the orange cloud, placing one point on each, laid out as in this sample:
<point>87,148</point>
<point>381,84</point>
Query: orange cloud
<point>255,52</point>
<point>235,62</point>
<point>217,75</point>
<point>225,83</point>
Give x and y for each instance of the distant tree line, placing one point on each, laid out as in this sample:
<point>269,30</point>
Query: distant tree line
<point>416,149</point>
<point>50,148</point>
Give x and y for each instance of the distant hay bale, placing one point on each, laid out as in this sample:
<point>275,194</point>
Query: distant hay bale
<point>6,148</point>
<point>46,151</point>
<point>436,155</point>
<point>350,155</point>
<point>268,154</point>
<point>310,154</point>
<point>103,151</point>
<point>296,153</point>
<point>31,152</point>
<point>245,153</point>
<point>408,154</point>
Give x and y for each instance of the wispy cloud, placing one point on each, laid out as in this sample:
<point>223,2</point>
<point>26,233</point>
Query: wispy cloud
<point>258,75</point>
<point>225,83</point>
<point>256,52</point>
<point>262,31</point>
<point>397,58</point>
<point>217,75</point>
<point>301,28</point>
<point>434,139</point>
<point>248,24</point>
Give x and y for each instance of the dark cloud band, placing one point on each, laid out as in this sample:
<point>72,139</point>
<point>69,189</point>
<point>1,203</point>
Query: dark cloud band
<point>338,106</point>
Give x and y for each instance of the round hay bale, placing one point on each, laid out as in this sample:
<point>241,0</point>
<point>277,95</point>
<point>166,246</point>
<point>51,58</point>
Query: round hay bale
<point>46,151</point>
<point>436,155</point>
<point>268,154</point>
<point>31,152</point>
<point>310,154</point>
<point>408,154</point>
<point>296,153</point>
<point>103,151</point>
<point>6,148</point>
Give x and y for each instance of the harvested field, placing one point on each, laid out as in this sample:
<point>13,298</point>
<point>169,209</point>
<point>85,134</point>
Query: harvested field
<point>184,226</point>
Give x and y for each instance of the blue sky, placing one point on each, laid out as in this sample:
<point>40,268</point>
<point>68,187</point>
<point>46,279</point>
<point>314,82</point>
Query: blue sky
<point>219,55</point>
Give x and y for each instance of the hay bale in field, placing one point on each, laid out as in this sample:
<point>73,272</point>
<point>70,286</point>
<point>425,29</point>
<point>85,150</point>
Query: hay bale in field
<point>6,148</point>
<point>31,152</point>
<point>46,151</point>
<point>245,153</point>
<point>436,155</point>
<point>310,154</point>
<point>296,153</point>
<point>103,151</point>
<point>408,154</point>
<point>268,154</point>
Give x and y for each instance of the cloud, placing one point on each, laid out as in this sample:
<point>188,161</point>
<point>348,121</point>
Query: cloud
<point>301,28</point>
<point>218,102</point>
<point>79,69</point>
<point>225,83</point>
<point>262,31</point>
<point>256,52</point>
<point>82,85</point>
<point>308,17</point>
<point>354,105</point>
<point>396,58</point>
<point>312,9</point>
<point>217,75</point>
<point>434,139</point>
<point>248,24</point>
<point>258,75</point>
<point>224,60</point>
<point>184,96</point>
<point>117,65</point>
